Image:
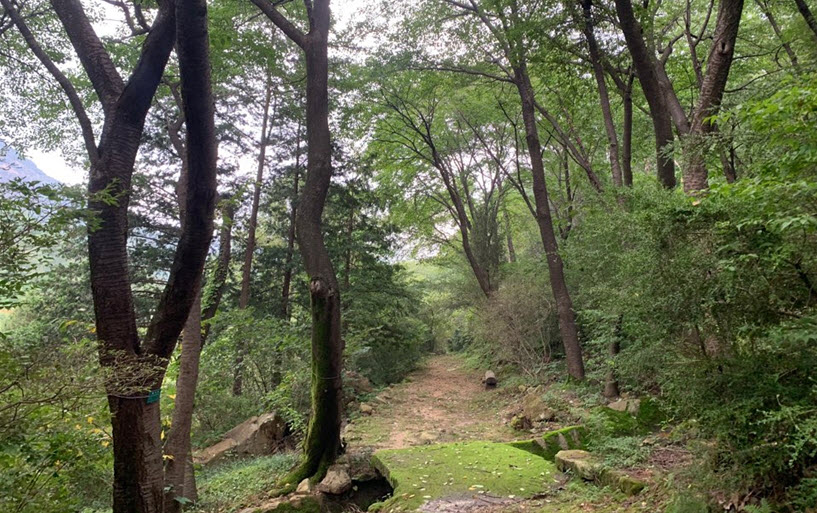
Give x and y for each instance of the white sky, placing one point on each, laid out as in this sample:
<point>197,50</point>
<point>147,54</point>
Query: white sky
<point>55,165</point>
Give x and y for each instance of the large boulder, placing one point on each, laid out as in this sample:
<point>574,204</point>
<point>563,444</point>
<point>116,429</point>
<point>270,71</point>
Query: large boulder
<point>256,436</point>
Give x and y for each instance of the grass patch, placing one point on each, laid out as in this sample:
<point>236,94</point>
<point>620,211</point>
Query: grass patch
<point>229,487</point>
<point>423,473</point>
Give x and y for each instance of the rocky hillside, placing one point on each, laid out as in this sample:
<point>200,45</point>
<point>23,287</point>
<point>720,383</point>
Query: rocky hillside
<point>12,166</point>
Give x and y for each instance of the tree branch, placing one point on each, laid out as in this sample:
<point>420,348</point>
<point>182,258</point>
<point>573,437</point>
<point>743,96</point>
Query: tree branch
<point>66,85</point>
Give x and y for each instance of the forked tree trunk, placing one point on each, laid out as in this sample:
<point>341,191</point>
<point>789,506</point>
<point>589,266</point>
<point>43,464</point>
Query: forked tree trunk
<point>322,443</point>
<point>135,370</point>
<point>604,97</point>
<point>564,305</point>
<point>711,93</point>
<point>246,269</point>
<point>648,77</point>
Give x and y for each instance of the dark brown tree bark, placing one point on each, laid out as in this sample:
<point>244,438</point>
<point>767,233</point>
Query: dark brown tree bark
<point>803,7</point>
<point>246,269</point>
<point>645,68</point>
<point>213,292</point>
<point>322,443</point>
<point>558,284</point>
<point>604,97</point>
<point>199,162</point>
<point>135,367</point>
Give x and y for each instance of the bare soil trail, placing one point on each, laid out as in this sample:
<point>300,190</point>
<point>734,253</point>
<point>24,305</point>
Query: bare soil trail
<point>443,401</point>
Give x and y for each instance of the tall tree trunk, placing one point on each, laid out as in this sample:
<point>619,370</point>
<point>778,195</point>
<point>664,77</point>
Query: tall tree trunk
<point>322,443</point>
<point>177,444</point>
<point>213,292</point>
<point>711,93</point>
<point>509,236</point>
<point>246,269</point>
<point>293,213</point>
<point>347,264</point>
<point>803,7</point>
<point>604,97</point>
<point>627,134</point>
<point>198,173</point>
<point>567,321</point>
<point>648,77</point>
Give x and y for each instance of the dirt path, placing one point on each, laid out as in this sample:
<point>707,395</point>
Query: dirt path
<point>443,401</point>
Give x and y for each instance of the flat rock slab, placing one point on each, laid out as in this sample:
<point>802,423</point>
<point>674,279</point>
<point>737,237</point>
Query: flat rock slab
<point>428,476</point>
<point>589,468</point>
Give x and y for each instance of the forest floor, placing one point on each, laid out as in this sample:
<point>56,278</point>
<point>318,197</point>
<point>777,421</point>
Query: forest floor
<point>445,401</point>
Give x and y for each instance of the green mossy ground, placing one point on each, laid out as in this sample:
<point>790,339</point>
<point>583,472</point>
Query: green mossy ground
<point>423,473</point>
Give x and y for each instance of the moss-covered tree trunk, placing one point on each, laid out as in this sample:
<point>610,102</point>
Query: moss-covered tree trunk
<point>322,443</point>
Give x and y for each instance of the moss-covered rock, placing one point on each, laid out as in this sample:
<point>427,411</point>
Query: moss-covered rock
<point>531,446</point>
<point>587,467</point>
<point>649,414</point>
<point>565,439</point>
<point>616,423</point>
<point>629,417</point>
<point>425,473</point>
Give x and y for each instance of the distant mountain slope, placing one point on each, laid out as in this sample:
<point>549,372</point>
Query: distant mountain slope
<point>12,166</point>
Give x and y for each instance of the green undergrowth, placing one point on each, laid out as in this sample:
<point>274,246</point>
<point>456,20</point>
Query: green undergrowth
<point>423,473</point>
<point>228,487</point>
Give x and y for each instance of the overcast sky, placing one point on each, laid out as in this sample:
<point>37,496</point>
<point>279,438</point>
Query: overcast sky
<point>52,162</point>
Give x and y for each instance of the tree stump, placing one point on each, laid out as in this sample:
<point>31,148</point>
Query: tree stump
<point>489,380</point>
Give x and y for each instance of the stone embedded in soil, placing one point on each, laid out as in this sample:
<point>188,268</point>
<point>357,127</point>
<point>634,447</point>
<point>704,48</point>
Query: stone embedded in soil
<point>304,487</point>
<point>535,409</point>
<point>462,470</point>
<point>336,481</point>
<point>366,409</point>
<point>631,406</point>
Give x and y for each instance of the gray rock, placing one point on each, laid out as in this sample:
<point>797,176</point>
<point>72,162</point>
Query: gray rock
<point>254,437</point>
<point>336,481</point>
<point>631,406</point>
<point>304,487</point>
